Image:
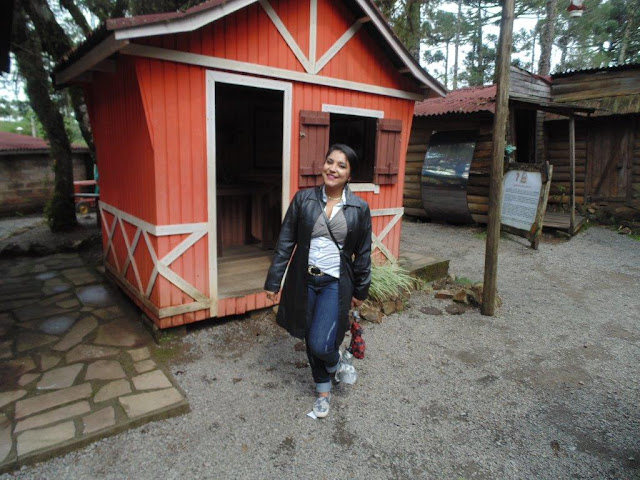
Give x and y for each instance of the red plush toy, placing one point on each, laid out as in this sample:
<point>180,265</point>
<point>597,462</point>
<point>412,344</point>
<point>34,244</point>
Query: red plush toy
<point>357,342</point>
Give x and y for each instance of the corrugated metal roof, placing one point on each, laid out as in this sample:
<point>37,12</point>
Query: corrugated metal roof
<point>617,68</point>
<point>464,100</point>
<point>16,143</point>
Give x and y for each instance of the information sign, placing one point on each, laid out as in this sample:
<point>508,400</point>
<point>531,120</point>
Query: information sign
<point>524,199</point>
<point>520,198</point>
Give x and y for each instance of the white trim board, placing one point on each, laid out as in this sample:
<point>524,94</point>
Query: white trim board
<point>183,24</point>
<point>204,16</point>
<point>286,35</point>
<point>213,77</point>
<point>341,42</point>
<point>385,30</point>
<point>364,187</point>
<point>186,58</point>
<point>94,57</point>
<point>158,312</point>
<point>356,112</point>
<point>160,266</point>
<point>376,240</point>
<point>313,34</point>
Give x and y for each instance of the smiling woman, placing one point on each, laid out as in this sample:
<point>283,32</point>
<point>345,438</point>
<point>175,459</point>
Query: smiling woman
<point>329,228</point>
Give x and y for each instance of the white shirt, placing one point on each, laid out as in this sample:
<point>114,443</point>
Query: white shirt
<point>323,252</point>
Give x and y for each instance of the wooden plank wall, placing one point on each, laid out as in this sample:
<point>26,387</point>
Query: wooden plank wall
<point>417,149</point>
<point>524,84</point>
<point>589,169</point>
<point>478,187</point>
<point>588,86</point>
<point>558,155</point>
<point>615,94</point>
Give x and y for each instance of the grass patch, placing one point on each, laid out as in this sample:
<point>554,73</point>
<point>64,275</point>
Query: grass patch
<point>169,347</point>
<point>483,235</point>
<point>388,281</point>
<point>586,225</point>
<point>464,281</point>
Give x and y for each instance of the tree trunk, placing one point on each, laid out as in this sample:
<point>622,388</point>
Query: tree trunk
<point>26,47</point>
<point>414,25</point>
<point>629,28</point>
<point>479,57</point>
<point>457,45</point>
<point>446,65</point>
<point>57,44</point>
<point>547,37</point>
<point>533,43</point>
<point>77,16</point>
<point>563,44</point>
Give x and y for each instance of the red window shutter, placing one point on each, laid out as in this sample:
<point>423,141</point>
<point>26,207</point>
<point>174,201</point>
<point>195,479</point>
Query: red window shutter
<point>387,151</point>
<point>314,142</point>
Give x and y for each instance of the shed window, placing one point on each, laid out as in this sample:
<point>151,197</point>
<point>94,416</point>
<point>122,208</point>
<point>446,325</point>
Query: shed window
<point>360,134</point>
<point>376,141</point>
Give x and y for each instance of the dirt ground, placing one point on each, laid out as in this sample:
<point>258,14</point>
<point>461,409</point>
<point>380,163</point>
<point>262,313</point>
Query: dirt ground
<point>548,388</point>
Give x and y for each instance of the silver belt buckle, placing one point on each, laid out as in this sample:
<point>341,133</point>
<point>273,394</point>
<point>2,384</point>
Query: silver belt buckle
<point>314,271</point>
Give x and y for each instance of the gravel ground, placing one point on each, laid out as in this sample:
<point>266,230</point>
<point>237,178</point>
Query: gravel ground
<point>546,389</point>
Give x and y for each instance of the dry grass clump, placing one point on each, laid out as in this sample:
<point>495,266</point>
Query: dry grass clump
<point>389,281</point>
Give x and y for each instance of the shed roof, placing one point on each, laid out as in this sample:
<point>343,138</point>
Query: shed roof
<point>116,33</point>
<point>482,99</point>
<point>12,143</point>
<point>617,68</point>
<point>463,100</point>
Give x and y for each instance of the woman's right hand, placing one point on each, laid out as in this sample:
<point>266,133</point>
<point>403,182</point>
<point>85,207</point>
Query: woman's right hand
<point>271,296</point>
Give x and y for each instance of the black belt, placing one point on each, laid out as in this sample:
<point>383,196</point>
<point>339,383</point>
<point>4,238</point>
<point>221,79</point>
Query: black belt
<point>314,271</point>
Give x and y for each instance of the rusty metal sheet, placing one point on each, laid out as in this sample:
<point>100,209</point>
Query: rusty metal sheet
<point>445,174</point>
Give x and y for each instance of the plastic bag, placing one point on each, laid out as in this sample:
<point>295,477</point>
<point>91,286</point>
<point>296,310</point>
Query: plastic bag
<point>346,372</point>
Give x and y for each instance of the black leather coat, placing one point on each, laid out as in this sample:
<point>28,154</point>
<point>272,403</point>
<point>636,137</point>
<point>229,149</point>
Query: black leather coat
<point>355,262</point>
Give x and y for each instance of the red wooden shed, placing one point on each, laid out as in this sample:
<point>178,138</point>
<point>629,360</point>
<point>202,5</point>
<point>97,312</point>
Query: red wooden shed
<point>207,121</point>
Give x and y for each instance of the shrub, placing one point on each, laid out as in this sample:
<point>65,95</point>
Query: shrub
<point>389,280</point>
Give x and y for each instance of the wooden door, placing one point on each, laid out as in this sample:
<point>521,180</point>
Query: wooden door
<point>610,159</point>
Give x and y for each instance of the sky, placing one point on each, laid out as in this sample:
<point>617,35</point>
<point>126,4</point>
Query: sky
<point>8,89</point>
<point>527,22</point>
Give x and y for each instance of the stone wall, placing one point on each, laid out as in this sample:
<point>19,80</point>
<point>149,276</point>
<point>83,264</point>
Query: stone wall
<point>26,181</point>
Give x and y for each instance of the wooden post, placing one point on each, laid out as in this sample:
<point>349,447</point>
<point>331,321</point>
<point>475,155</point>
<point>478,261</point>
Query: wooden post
<point>572,163</point>
<point>499,131</point>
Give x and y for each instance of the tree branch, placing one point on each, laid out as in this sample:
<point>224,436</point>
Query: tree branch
<point>77,16</point>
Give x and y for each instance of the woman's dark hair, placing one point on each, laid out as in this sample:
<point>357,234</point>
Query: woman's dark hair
<point>352,157</point>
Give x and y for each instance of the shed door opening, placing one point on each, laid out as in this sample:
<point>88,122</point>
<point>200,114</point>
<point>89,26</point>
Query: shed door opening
<point>249,134</point>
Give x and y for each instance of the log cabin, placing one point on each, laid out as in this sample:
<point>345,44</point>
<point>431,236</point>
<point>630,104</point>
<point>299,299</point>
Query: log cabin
<point>540,127</point>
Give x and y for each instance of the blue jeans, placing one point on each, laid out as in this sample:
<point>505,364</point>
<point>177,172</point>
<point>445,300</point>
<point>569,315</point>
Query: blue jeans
<point>322,310</point>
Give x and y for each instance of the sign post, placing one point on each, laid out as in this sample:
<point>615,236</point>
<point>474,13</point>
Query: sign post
<point>497,164</point>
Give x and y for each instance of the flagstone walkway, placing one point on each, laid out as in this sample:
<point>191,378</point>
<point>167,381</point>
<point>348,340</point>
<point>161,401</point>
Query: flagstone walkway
<point>76,364</point>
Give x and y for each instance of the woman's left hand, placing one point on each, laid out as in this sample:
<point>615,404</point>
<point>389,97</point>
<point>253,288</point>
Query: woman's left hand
<point>355,303</point>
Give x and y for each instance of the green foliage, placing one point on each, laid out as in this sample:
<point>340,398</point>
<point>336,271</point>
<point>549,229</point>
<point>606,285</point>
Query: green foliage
<point>607,34</point>
<point>389,280</point>
<point>464,281</point>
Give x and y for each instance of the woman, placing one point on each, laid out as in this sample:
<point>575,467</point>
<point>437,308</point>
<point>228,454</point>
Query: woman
<point>330,229</point>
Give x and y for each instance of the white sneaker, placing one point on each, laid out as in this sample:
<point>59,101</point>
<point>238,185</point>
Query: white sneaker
<point>321,407</point>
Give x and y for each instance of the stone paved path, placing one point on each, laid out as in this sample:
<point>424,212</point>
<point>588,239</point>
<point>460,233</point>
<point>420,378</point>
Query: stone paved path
<point>76,365</point>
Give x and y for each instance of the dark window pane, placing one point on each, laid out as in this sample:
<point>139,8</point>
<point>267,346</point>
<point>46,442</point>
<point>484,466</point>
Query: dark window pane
<point>360,134</point>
